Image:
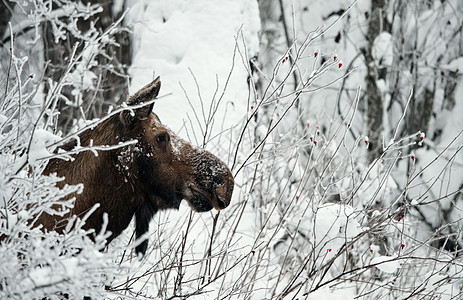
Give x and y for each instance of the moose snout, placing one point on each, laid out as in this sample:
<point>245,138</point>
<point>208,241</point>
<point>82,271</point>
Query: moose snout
<point>212,182</point>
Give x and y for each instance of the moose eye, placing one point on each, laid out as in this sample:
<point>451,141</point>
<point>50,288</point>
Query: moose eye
<point>162,138</point>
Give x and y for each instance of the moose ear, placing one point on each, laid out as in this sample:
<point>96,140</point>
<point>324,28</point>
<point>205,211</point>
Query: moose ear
<point>145,94</point>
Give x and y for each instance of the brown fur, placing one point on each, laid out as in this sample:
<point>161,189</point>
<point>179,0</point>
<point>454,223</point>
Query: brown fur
<point>154,174</point>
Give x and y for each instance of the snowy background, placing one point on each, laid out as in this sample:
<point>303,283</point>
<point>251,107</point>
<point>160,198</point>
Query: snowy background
<point>328,201</point>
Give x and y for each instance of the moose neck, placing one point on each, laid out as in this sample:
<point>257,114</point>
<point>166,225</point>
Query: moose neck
<point>101,176</point>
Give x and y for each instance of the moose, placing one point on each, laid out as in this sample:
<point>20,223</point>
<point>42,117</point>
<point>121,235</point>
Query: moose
<point>138,179</point>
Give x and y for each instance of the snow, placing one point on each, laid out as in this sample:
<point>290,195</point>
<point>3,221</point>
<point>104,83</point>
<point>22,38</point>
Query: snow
<point>388,264</point>
<point>334,224</point>
<point>338,294</point>
<point>186,42</point>
<point>38,147</point>
<point>456,65</point>
<point>382,49</point>
<point>2,120</point>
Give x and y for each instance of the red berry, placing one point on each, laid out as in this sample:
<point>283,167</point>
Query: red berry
<point>371,250</point>
<point>308,124</point>
<point>315,142</point>
<point>340,65</point>
<point>315,54</point>
<point>399,218</point>
<point>402,246</point>
<point>422,135</point>
<point>297,197</point>
<point>412,157</point>
<point>252,107</point>
<point>335,57</point>
<point>329,250</point>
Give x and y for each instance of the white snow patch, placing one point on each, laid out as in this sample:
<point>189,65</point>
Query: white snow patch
<point>455,65</point>
<point>382,49</point>
<point>3,119</point>
<point>327,293</point>
<point>382,86</point>
<point>388,264</point>
<point>40,140</point>
<point>334,224</point>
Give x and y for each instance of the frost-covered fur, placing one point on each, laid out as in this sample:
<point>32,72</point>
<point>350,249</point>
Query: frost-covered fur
<point>155,173</point>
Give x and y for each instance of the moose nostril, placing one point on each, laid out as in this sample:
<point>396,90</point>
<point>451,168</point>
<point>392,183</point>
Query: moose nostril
<point>222,204</point>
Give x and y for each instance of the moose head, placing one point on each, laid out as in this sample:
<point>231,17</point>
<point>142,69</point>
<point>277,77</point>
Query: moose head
<point>156,171</point>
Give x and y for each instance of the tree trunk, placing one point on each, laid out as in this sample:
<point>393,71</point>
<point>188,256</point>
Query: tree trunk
<point>113,80</point>
<point>6,8</point>
<point>376,24</point>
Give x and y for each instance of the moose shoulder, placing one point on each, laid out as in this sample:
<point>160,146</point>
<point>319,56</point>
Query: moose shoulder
<point>156,173</point>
